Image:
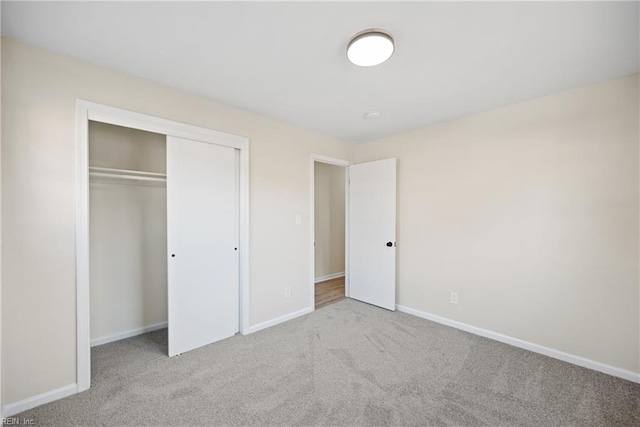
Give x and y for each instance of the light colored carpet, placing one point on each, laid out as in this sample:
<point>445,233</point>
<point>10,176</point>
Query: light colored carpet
<point>343,365</point>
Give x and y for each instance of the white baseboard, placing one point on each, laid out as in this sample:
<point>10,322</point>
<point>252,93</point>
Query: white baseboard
<point>277,320</point>
<point>329,277</point>
<point>128,334</point>
<point>31,402</point>
<point>556,354</point>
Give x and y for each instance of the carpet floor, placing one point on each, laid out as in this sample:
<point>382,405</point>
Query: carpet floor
<point>347,364</point>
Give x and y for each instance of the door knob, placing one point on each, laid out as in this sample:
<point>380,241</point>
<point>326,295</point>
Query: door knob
<point>389,244</point>
<point>173,255</point>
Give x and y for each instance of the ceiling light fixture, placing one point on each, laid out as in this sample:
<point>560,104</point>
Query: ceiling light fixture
<point>371,115</point>
<point>370,47</point>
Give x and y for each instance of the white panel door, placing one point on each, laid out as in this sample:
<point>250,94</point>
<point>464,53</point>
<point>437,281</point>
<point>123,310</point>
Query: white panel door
<point>202,240</point>
<point>372,233</point>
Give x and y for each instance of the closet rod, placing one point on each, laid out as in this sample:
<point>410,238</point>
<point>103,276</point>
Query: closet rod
<point>125,171</point>
<point>123,176</point>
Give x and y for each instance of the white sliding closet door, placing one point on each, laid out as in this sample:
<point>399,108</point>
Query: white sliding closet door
<point>202,239</point>
<point>372,233</point>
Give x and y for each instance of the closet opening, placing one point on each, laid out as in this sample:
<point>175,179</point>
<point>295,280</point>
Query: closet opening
<point>329,231</point>
<point>162,237</point>
<point>127,238</point>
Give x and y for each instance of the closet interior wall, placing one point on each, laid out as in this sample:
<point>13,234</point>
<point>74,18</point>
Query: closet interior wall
<point>128,232</point>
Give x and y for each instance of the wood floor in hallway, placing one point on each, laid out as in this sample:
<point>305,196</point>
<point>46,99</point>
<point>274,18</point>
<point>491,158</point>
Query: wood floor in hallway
<point>329,291</point>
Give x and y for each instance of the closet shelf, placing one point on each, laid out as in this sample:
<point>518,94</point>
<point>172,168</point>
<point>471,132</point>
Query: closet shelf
<point>126,174</point>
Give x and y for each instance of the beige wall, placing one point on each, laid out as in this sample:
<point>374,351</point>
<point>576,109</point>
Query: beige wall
<point>128,232</point>
<point>530,213</point>
<point>329,219</point>
<point>39,90</point>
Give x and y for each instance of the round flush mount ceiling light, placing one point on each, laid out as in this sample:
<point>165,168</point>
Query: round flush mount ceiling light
<point>370,47</point>
<point>371,115</point>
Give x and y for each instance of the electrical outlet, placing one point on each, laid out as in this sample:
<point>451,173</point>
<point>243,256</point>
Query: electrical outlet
<point>454,297</point>
<point>287,292</point>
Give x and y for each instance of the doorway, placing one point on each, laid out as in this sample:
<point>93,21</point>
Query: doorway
<point>195,147</point>
<point>329,209</point>
<point>370,231</point>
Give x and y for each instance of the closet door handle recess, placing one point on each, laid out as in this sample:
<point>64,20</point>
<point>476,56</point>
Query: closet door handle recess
<point>173,255</point>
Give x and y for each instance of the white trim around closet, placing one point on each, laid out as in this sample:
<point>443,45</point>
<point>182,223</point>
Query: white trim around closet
<point>85,111</point>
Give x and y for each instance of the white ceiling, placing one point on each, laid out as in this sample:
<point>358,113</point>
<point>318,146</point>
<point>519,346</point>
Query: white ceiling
<point>288,61</point>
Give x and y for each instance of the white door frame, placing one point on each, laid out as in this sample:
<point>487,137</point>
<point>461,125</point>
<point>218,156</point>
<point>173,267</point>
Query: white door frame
<point>85,111</point>
<point>312,223</point>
